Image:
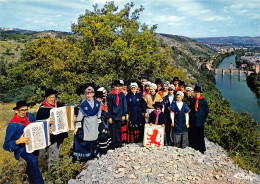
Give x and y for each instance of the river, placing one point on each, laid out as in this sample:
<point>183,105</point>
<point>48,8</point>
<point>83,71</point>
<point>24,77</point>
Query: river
<point>235,89</point>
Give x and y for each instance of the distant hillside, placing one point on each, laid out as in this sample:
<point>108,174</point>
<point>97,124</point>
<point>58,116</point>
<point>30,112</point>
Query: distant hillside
<point>190,47</point>
<point>188,54</point>
<point>25,35</point>
<point>231,40</point>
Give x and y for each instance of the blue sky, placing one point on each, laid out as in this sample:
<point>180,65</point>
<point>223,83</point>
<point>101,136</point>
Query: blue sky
<point>192,18</point>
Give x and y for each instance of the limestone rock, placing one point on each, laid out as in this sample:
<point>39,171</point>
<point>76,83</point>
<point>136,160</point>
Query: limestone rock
<point>134,163</point>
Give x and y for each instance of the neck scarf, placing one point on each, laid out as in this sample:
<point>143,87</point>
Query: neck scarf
<point>197,102</point>
<point>16,119</point>
<point>48,105</point>
<point>157,115</point>
<point>117,95</point>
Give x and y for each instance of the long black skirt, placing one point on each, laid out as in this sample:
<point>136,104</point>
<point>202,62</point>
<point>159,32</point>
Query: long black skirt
<point>196,138</point>
<point>83,150</point>
<point>104,142</point>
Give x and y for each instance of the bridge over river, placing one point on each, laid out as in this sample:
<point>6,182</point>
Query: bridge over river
<point>231,70</point>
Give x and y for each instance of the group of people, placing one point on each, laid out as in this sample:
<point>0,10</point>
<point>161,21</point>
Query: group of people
<point>106,121</point>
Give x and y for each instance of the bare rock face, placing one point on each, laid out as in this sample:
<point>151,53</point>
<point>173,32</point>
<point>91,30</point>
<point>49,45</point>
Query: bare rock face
<point>134,163</point>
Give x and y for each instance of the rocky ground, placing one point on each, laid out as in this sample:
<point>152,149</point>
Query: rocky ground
<point>134,163</point>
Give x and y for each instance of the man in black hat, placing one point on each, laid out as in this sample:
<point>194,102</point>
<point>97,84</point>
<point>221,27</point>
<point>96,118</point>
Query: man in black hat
<point>158,83</point>
<point>175,82</point>
<point>124,88</point>
<point>182,86</point>
<point>15,141</point>
<point>198,115</point>
<point>117,110</point>
<point>49,102</point>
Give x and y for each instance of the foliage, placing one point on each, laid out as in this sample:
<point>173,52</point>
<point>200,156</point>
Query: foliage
<point>64,169</point>
<point>21,36</point>
<point>105,45</point>
<point>220,57</point>
<point>253,82</point>
<point>237,133</point>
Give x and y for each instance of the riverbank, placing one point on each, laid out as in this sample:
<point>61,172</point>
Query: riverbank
<point>235,89</point>
<point>253,82</point>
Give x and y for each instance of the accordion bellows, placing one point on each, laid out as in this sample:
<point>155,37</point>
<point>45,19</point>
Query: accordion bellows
<point>38,132</point>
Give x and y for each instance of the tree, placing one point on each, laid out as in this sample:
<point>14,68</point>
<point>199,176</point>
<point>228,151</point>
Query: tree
<point>114,42</point>
<point>107,44</point>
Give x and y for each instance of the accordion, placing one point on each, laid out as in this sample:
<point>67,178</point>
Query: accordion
<point>62,119</point>
<point>39,135</point>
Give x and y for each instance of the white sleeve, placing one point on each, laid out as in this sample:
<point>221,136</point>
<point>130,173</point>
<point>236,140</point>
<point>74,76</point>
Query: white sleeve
<point>99,115</point>
<point>172,116</point>
<point>79,119</point>
<point>187,118</point>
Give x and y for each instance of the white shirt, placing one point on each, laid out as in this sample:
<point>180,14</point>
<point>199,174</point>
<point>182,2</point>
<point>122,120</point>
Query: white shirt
<point>179,105</point>
<point>171,98</point>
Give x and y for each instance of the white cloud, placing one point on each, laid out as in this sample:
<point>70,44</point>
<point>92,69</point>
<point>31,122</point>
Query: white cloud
<point>250,8</point>
<point>163,18</point>
<point>215,18</point>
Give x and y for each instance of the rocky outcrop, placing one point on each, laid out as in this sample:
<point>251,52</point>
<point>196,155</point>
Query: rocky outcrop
<point>134,163</point>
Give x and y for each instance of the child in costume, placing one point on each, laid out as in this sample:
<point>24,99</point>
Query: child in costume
<point>180,122</point>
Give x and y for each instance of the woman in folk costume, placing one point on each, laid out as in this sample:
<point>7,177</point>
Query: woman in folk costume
<point>198,115</point>
<point>180,122</point>
<point>150,99</point>
<point>104,100</point>
<point>146,88</point>
<point>117,109</point>
<point>15,141</point>
<point>104,138</point>
<point>123,89</point>
<point>86,130</point>
<point>134,110</point>
<point>188,96</point>
<point>49,103</point>
<point>164,92</point>
<point>167,101</point>
<point>143,78</point>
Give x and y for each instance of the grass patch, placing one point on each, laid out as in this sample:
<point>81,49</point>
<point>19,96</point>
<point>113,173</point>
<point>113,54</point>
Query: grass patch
<point>13,171</point>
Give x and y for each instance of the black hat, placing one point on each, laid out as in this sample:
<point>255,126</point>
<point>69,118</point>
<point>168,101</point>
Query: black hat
<point>20,104</point>
<point>175,79</point>
<point>144,76</point>
<point>116,83</point>
<point>99,94</point>
<point>158,104</point>
<point>197,88</point>
<point>126,82</point>
<point>181,83</point>
<point>158,81</point>
<point>49,92</point>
